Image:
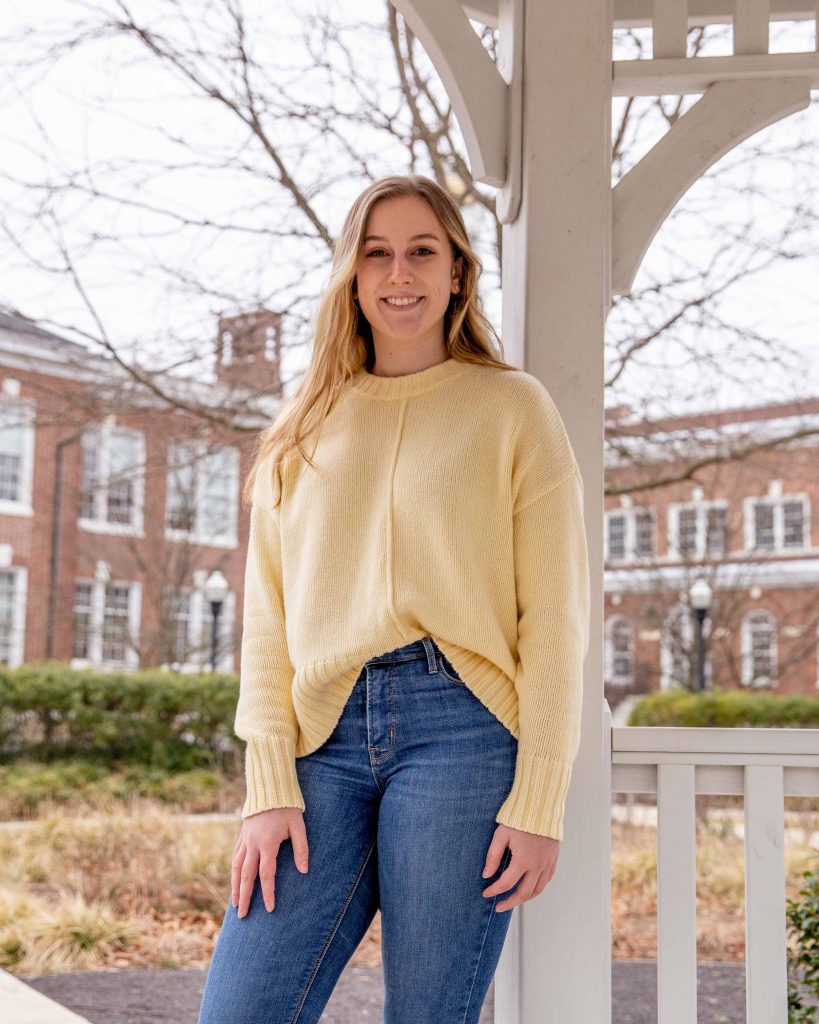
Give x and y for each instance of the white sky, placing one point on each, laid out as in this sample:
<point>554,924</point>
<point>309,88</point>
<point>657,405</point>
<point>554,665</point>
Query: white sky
<point>108,105</point>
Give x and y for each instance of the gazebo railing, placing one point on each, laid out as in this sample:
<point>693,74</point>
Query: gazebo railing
<point>763,766</point>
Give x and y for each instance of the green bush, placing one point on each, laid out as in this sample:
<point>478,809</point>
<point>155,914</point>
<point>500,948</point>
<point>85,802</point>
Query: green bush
<point>155,718</point>
<point>803,965</point>
<point>726,709</point>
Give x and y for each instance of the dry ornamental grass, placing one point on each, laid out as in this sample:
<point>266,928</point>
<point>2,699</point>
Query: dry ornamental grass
<point>146,888</point>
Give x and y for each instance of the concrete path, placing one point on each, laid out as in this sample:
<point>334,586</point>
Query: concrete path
<point>22,1004</point>
<point>173,996</point>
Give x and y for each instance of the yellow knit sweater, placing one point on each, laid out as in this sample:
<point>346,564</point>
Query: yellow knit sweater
<point>446,503</point>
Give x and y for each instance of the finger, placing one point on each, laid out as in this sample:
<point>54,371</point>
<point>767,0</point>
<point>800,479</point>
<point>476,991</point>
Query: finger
<point>247,878</point>
<point>298,839</point>
<point>524,892</point>
<point>493,856</point>
<point>506,881</point>
<point>267,876</point>
<point>235,869</point>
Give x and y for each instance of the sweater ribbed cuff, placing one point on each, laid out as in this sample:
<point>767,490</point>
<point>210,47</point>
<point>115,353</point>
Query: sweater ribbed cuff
<point>537,799</point>
<point>270,774</point>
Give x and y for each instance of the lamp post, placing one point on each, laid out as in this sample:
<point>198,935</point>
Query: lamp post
<point>216,589</point>
<point>699,596</point>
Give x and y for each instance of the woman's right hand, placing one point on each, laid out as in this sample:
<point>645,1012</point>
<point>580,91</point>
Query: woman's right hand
<point>257,848</point>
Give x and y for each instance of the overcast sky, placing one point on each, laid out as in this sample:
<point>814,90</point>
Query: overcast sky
<point>108,106</point>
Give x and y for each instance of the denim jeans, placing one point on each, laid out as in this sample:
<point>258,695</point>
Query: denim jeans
<point>400,807</point>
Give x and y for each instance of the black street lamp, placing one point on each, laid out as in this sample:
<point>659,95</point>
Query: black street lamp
<point>699,597</point>
<point>216,589</point>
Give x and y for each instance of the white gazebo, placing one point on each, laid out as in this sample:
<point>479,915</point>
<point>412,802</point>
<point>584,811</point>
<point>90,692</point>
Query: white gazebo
<point>538,127</point>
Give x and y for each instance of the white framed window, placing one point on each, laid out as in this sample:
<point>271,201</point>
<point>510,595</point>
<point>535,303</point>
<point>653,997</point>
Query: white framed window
<point>107,617</point>
<point>13,589</point>
<point>202,494</point>
<point>777,523</point>
<point>189,617</point>
<point>619,651</point>
<point>758,649</point>
<point>16,455</point>
<point>698,529</point>
<point>112,485</point>
<point>629,534</point>
<point>676,643</point>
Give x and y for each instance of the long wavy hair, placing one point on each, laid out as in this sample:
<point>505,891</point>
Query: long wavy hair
<point>343,337</point>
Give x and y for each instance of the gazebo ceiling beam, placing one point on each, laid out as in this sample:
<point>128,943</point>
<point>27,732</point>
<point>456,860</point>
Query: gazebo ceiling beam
<point>674,76</point>
<point>640,13</point>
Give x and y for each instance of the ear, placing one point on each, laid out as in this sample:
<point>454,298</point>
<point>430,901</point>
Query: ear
<point>457,273</point>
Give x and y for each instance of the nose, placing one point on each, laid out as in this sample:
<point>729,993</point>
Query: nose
<point>399,270</point>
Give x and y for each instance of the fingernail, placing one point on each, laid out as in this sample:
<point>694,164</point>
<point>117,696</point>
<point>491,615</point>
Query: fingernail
<point>303,867</point>
<point>486,872</point>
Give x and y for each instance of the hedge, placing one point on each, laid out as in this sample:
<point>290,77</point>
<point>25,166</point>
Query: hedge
<point>725,709</point>
<point>151,717</point>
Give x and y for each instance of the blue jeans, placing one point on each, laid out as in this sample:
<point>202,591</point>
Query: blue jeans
<point>400,808</point>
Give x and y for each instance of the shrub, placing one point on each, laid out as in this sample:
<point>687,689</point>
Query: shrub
<point>803,924</point>
<point>726,709</point>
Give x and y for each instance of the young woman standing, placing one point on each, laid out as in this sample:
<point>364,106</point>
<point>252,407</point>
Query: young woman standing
<point>416,614</point>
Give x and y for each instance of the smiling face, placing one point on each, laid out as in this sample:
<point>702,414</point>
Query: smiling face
<point>407,258</point>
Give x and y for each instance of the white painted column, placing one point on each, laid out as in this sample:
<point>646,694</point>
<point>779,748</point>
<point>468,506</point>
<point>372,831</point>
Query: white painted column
<point>556,965</point>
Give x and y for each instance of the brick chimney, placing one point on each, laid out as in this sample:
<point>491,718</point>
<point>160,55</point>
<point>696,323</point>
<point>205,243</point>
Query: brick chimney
<point>248,351</point>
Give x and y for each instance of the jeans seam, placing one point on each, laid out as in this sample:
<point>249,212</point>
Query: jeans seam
<point>445,674</point>
<point>492,912</point>
<point>323,952</point>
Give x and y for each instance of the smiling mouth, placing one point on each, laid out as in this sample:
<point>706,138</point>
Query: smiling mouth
<point>404,305</point>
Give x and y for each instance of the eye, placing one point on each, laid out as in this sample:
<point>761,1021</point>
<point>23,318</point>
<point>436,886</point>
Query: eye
<point>373,252</point>
<point>425,249</point>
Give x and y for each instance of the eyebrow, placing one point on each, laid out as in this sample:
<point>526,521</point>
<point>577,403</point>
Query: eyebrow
<point>381,238</point>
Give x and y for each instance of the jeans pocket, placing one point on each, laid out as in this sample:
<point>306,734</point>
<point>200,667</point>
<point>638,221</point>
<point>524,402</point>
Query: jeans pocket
<point>447,670</point>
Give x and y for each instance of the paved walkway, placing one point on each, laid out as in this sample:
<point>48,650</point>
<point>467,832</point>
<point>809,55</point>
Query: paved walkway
<point>172,996</point>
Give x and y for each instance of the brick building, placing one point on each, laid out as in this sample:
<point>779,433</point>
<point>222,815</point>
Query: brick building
<point>146,491</point>
<point>120,496</point>
<point>744,524</point>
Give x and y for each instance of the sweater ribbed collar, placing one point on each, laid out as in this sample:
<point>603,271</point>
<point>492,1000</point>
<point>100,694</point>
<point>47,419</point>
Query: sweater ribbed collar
<point>407,384</point>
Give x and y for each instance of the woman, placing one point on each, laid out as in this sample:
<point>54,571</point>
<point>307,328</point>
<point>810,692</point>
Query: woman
<point>415,623</point>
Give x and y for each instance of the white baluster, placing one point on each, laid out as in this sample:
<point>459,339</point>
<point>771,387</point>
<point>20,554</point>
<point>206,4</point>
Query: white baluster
<point>676,895</point>
<point>766,970</point>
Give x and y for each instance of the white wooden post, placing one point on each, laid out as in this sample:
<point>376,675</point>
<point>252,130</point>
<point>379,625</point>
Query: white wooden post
<point>556,966</point>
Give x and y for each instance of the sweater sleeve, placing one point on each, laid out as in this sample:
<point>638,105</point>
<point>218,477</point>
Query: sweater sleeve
<point>553,597</point>
<point>265,717</point>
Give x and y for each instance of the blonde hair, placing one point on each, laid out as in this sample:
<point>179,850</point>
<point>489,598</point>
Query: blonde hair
<point>343,336</point>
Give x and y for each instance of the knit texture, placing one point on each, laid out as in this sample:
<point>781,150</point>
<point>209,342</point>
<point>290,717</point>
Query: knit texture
<point>445,503</point>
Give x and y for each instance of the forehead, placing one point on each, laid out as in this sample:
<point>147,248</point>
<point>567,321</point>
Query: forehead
<point>403,216</point>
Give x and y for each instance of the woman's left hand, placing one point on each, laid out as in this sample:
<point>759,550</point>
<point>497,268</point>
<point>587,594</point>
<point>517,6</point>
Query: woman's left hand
<point>534,859</point>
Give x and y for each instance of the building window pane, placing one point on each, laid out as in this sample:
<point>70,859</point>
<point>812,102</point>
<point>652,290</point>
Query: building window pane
<point>763,525</point>
<point>617,536</point>
<point>12,439</point>
<point>687,541</point>
<point>90,475</point>
<point>622,654</point>
<point>716,537</point>
<point>123,454</point>
<point>7,592</point>
<point>644,533</point>
<point>793,524</point>
<point>218,493</point>
<point>82,620</point>
<point>115,622</point>
<point>181,502</point>
<point>762,653</point>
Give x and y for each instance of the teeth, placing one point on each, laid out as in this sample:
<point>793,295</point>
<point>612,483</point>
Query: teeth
<point>402,302</point>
